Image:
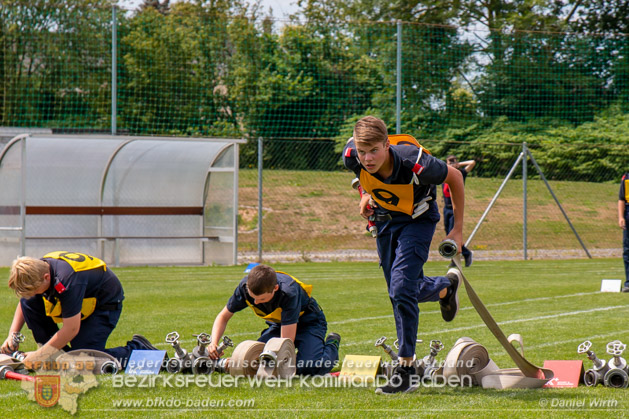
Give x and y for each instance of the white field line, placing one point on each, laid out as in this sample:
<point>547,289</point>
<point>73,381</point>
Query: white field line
<point>14,393</point>
<point>527,300</point>
<point>390,316</point>
<point>530,319</point>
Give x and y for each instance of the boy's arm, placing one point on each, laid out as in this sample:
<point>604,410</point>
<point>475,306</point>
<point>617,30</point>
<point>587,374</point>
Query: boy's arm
<point>220,323</point>
<point>16,326</point>
<point>289,331</point>
<point>69,330</point>
<point>621,214</point>
<point>457,191</point>
<point>468,165</point>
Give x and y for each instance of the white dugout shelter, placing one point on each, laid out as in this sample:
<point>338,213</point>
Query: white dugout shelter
<point>127,200</point>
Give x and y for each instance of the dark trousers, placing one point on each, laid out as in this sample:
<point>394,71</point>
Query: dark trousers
<point>403,250</point>
<point>448,223</point>
<point>94,332</point>
<point>625,251</point>
<point>314,356</point>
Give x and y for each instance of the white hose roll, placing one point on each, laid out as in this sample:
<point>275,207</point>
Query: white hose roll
<point>244,360</point>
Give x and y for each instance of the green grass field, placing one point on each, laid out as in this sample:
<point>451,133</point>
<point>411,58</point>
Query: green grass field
<point>307,210</point>
<point>554,305</point>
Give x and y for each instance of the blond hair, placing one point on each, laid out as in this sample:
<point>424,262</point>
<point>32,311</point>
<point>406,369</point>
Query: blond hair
<point>27,274</point>
<point>370,130</point>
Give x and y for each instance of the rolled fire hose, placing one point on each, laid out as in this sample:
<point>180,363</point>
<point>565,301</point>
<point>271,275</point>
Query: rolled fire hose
<point>467,357</point>
<point>525,368</point>
<point>245,358</point>
<point>10,362</point>
<point>103,362</point>
<point>278,359</point>
<point>470,358</point>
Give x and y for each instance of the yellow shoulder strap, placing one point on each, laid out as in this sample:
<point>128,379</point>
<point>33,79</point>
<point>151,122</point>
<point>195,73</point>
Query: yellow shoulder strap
<point>276,315</point>
<point>306,287</point>
<point>78,261</point>
<point>406,139</point>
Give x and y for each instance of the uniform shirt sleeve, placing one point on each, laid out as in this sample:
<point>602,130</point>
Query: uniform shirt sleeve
<point>72,298</point>
<point>238,300</point>
<point>621,193</point>
<point>290,303</point>
<point>435,171</point>
<point>349,157</point>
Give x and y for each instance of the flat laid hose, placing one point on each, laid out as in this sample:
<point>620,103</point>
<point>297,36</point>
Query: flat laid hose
<point>525,368</point>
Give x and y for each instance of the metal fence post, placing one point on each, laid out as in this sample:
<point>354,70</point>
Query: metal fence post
<point>398,92</point>
<point>524,174</point>
<point>23,199</point>
<point>260,148</point>
<point>114,74</point>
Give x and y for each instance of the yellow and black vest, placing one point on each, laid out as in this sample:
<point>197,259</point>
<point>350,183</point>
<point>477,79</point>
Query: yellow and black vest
<point>625,180</point>
<point>276,315</point>
<point>394,197</point>
<point>79,262</point>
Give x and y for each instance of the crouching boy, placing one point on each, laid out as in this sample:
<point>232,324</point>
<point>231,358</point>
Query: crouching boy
<point>76,290</point>
<point>290,312</point>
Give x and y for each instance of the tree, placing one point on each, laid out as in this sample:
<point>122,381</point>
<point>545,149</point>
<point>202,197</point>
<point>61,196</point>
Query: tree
<point>54,62</point>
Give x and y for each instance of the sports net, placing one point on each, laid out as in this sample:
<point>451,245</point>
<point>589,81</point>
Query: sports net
<point>195,70</point>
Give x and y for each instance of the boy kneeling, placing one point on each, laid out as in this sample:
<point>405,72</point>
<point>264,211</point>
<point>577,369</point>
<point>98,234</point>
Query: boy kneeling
<point>290,312</point>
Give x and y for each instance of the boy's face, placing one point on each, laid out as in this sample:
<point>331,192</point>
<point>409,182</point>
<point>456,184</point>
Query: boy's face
<point>42,288</point>
<point>372,155</point>
<point>263,298</point>
<point>453,161</point>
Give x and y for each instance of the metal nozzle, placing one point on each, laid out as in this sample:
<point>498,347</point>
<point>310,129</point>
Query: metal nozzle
<point>109,367</point>
<point>448,248</point>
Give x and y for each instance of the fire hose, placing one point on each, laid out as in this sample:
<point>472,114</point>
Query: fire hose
<point>78,358</point>
<point>275,359</point>
<point>245,359</point>
<point>468,358</point>
<point>507,378</point>
<point>278,359</point>
<point>7,373</point>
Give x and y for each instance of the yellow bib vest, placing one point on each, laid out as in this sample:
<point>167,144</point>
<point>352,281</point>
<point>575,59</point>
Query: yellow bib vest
<point>276,315</point>
<point>396,197</point>
<point>627,189</point>
<point>79,262</point>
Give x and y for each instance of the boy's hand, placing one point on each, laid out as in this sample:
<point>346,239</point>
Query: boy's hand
<point>8,347</point>
<point>366,209</point>
<point>457,236</point>
<point>213,353</point>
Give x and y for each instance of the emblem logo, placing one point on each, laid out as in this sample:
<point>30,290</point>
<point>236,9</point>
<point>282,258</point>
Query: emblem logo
<point>47,389</point>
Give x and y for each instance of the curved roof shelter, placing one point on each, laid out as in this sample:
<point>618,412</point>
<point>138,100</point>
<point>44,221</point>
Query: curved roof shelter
<point>127,200</point>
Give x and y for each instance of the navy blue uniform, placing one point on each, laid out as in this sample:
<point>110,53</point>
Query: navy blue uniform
<point>78,284</point>
<point>292,304</point>
<point>623,195</point>
<point>448,212</point>
<point>404,242</point>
